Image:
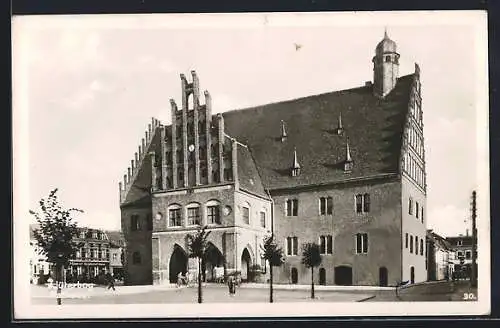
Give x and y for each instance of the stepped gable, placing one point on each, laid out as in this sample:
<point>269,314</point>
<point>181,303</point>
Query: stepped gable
<point>373,126</point>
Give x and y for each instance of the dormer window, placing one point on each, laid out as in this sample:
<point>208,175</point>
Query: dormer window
<point>283,131</point>
<point>295,164</point>
<point>348,163</point>
<point>340,127</point>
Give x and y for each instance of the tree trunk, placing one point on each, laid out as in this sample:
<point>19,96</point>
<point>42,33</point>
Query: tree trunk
<point>270,283</point>
<point>59,269</point>
<point>200,298</point>
<point>312,282</point>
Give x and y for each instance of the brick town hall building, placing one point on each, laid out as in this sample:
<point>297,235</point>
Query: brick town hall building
<point>345,169</point>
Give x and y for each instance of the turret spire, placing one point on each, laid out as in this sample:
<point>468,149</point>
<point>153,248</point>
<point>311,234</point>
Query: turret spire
<point>348,163</point>
<point>340,127</point>
<point>295,164</point>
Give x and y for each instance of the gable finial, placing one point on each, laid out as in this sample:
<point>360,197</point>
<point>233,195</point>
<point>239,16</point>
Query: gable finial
<point>295,164</point>
<point>283,131</point>
<point>385,33</point>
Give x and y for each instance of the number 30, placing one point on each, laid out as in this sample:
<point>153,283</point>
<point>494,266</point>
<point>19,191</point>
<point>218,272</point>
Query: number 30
<point>469,296</point>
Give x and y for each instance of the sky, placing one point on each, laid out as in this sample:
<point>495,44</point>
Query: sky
<point>89,85</point>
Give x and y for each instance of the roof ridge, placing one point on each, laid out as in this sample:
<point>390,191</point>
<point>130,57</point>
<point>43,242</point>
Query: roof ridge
<point>302,98</point>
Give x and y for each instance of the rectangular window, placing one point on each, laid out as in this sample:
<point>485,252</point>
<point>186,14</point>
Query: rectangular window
<point>468,255</point>
<point>416,245</point>
<point>246,215</point>
<point>326,244</point>
<point>134,223</point>
<point>174,216</point>
<point>114,257</point>
<point>362,203</point>
<point>361,243</point>
<point>194,216</point>
<point>263,219</point>
<point>213,214</point>
<point>326,205</point>
<point>366,203</point>
<point>406,240</point>
<point>417,210</point>
<point>422,214</point>
<point>292,246</point>
<point>359,203</point>
<point>421,247</point>
<point>291,207</point>
<point>411,244</point>
<point>410,206</point>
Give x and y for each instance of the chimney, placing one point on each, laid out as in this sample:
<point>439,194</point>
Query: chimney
<point>467,232</point>
<point>368,83</point>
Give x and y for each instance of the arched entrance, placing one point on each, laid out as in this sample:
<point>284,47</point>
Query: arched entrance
<point>383,276</point>
<point>213,264</point>
<point>322,276</point>
<point>178,263</point>
<point>412,275</point>
<point>343,275</point>
<point>246,261</point>
<point>295,276</point>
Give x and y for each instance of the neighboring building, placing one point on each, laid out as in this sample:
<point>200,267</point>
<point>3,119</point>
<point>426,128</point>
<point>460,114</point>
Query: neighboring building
<point>345,169</point>
<point>91,259</point>
<point>462,254</point>
<point>116,252</point>
<point>38,262</point>
<point>439,257</point>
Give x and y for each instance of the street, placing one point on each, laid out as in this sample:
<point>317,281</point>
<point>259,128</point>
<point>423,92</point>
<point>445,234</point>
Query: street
<point>213,293</point>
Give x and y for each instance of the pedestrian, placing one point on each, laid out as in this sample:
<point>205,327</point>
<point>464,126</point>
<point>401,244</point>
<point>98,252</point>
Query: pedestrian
<point>230,285</point>
<point>111,281</point>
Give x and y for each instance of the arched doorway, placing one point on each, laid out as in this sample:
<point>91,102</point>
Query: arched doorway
<point>213,263</point>
<point>412,275</point>
<point>295,276</point>
<point>246,261</point>
<point>343,275</point>
<point>322,276</point>
<point>178,263</point>
<point>383,276</point>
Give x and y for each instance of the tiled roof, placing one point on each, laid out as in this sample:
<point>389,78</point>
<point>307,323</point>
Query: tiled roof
<point>116,237</point>
<point>374,127</point>
<point>466,240</point>
<point>441,242</point>
<point>248,175</point>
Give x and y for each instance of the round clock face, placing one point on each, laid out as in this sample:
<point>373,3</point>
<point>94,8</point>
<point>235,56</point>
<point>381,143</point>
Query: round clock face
<point>191,148</point>
<point>227,210</point>
<point>158,216</point>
